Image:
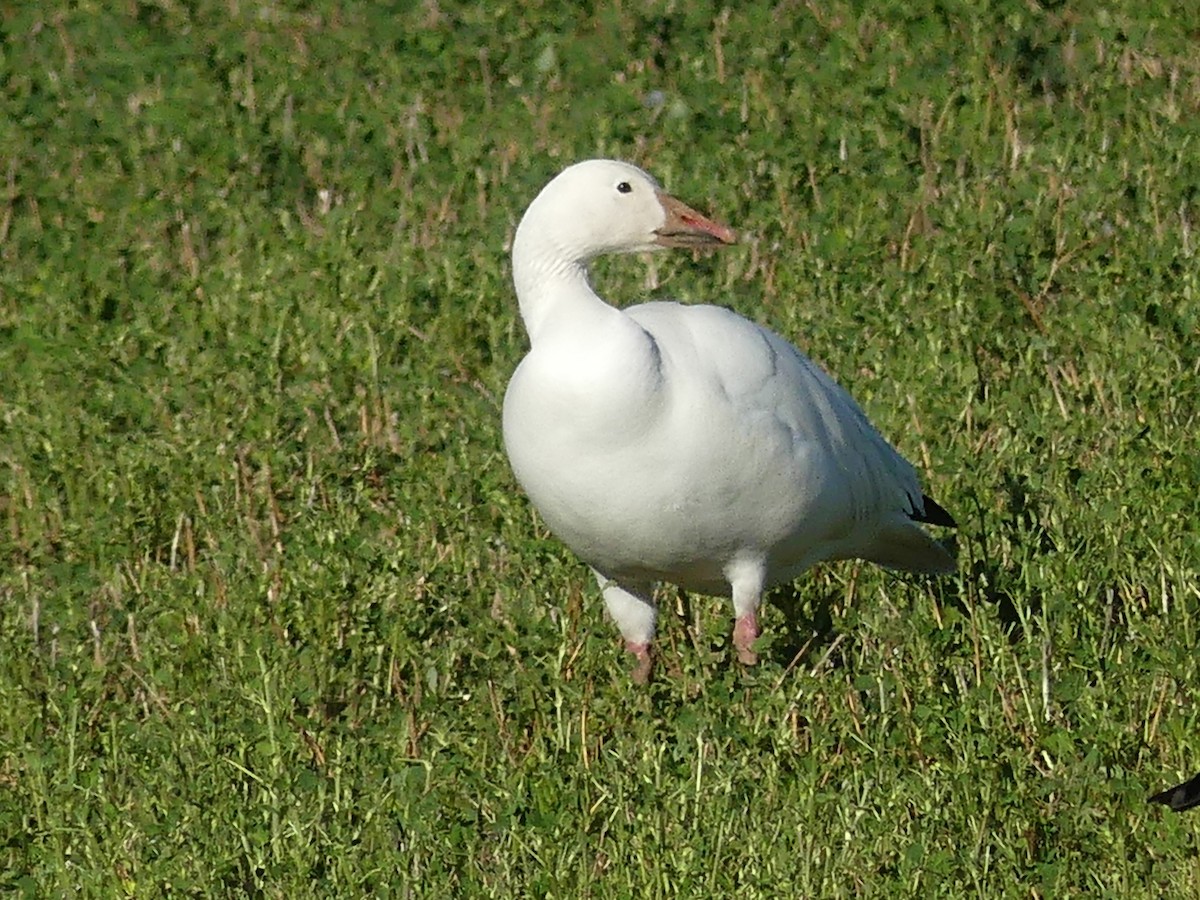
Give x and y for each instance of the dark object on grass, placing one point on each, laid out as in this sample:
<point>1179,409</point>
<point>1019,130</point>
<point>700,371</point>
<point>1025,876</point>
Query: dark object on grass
<point>1182,796</point>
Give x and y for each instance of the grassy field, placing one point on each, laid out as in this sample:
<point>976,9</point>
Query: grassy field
<point>275,619</point>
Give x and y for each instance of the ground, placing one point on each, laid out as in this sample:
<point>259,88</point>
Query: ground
<point>275,619</point>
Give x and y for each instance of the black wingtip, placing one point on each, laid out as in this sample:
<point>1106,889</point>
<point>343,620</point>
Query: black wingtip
<point>933,513</point>
<point>1181,797</point>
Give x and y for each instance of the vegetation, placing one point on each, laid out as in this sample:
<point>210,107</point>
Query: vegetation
<point>275,619</point>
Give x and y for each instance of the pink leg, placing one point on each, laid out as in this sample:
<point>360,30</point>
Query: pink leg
<point>745,632</point>
<point>631,606</point>
<point>644,663</point>
<point>746,575</point>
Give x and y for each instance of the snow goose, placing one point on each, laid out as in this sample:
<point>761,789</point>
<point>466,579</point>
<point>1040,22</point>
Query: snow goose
<point>686,444</point>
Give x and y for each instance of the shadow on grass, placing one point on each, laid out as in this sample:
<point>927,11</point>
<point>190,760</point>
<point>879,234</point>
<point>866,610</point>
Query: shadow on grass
<point>808,632</point>
<point>989,582</point>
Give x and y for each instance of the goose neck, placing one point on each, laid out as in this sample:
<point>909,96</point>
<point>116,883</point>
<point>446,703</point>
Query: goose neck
<point>553,288</point>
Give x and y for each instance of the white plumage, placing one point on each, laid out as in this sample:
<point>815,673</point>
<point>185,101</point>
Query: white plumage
<point>686,444</point>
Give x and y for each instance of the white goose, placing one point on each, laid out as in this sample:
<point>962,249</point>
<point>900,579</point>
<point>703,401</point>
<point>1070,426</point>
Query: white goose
<point>686,444</point>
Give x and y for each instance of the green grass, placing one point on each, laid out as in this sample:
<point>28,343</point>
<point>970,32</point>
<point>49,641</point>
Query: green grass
<point>275,619</point>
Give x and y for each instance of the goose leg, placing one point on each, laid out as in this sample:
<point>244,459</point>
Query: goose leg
<point>745,633</point>
<point>632,608</point>
<point>746,585</point>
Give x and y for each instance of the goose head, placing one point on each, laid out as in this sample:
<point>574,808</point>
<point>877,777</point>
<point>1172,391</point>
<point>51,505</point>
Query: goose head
<point>604,206</point>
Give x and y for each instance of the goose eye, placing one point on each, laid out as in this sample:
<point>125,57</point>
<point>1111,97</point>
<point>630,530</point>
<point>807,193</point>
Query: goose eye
<point>624,187</point>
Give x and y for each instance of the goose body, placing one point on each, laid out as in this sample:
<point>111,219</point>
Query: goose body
<point>685,443</point>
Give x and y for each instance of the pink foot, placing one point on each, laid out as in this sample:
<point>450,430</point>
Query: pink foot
<point>745,632</point>
<point>643,664</point>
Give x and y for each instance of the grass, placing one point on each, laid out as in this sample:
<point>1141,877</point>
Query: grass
<point>275,619</point>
